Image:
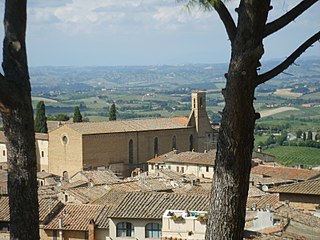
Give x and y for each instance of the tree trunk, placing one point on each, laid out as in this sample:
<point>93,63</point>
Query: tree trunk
<point>17,114</point>
<point>235,141</point>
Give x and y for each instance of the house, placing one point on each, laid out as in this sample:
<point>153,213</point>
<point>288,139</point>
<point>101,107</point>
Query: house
<point>301,195</point>
<point>198,164</point>
<point>122,146</point>
<point>75,221</point>
<point>266,176</point>
<point>96,177</point>
<point>139,214</point>
<point>41,150</point>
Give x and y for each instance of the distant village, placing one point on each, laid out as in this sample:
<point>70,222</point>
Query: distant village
<point>151,179</point>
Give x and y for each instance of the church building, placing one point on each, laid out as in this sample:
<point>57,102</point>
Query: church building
<point>125,145</point>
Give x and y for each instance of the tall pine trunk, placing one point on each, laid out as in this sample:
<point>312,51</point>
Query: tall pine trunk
<point>17,113</point>
<point>235,141</point>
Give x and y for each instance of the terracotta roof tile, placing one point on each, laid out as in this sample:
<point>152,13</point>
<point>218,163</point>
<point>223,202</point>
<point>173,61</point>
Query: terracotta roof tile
<point>112,198</point>
<point>127,125</point>
<point>186,158</point>
<point>311,187</point>
<point>285,172</point>
<point>46,206</point>
<point>87,194</point>
<point>102,220</point>
<point>4,209</point>
<point>263,202</point>
<point>153,205</point>
<point>99,177</point>
<point>75,217</point>
<point>38,136</point>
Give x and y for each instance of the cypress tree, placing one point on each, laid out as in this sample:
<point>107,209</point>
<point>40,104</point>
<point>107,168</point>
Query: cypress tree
<point>112,113</point>
<point>40,123</point>
<point>77,117</point>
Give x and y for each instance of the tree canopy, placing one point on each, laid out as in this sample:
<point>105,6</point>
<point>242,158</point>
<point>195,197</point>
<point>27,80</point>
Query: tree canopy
<point>113,113</point>
<point>77,117</point>
<point>40,124</point>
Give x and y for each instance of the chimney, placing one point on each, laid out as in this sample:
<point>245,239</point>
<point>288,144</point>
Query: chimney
<point>91,230</point>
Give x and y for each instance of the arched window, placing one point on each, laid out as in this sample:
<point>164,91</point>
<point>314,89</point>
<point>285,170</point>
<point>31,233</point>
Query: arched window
<point>130,151</point>
<point>156,147</point>
<point>191,143</point>
<point>152,230</point>
<point>174,142</point>
<point>125,229</point>
<point>194,103</point>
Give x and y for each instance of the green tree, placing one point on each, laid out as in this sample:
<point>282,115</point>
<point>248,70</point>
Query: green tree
<point>235,141</point>
<point>59,117</point>
<point>299,133</point>
<point>18,124</point>
<point>113,113</point>
<point>77,117</point>
<point>40,124</point>
<point>309,135</point>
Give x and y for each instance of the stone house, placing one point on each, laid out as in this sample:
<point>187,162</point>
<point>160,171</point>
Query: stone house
<point>198,164</point>
<point>42,142</point>
<point>125,145</point>
<point>302,195</point>
<point>139,214</point>
<point>77,221</point>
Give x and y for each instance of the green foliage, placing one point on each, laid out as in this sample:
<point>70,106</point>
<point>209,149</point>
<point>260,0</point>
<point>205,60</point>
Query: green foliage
<point>59,117</point>
<point>299,133</point>
<point>77,117</point>
<point>113,113</point>
<point>40,123</point>
<point>309,135</point>
<point>290,156</point>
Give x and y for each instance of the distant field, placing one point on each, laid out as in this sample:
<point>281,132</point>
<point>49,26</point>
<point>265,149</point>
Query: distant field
<point>286,92</point>
<point>44,99</point>
<point>269,112</point>
<point>291,156</point>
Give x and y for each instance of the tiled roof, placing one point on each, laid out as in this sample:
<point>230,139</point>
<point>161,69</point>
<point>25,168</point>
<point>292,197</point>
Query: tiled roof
<point>76,184</point>
<point>101,220</point>
<point>3,139</point>
<point>263,202</point>
<point>112,198</point>
<point>311,187</point>
<point>299,216</point>
<point>38,136</point>
<point>48,192</point>
<point>128,125</point>
<point>153,205</point>
<point>285,172</point>
<point>75,217</point>
<point>4,209</point>
<point>99,177</point>
<point>186,158</point>
<point>46,206</point>
<point>87,194</point>
<point>43,175</point>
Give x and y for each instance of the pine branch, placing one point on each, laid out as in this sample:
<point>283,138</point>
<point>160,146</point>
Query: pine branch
<point>226,18</point>
<point>285,19</point>
<point>290,60</point>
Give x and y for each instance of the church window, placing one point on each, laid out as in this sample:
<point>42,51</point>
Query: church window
<point>42,153</point>
<point>182,169</point>
<point>156,146</point>
<point>4,153</point>
<point>191,143</point>
<point>65,139</point>
<point>130,151</point>
<point>174,143</point>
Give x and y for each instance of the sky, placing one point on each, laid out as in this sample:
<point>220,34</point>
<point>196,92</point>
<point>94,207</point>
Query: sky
<point>145,32</point>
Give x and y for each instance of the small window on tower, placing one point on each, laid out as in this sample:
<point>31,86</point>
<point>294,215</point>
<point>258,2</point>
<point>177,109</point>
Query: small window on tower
<point>201,104</point>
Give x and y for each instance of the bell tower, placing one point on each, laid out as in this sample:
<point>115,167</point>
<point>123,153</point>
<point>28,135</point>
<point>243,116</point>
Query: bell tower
<point>199,119</point>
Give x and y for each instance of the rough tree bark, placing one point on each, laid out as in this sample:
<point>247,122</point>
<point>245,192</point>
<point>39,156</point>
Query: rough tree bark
<point>17,114</point>
<point>235,141</point>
